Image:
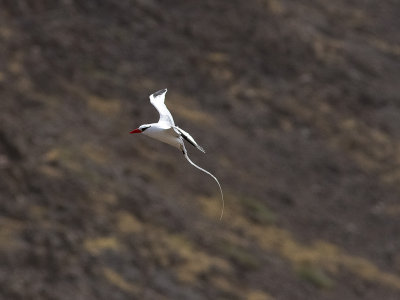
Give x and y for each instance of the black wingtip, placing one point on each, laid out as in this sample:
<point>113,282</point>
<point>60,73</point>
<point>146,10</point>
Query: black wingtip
<point>160,92</point>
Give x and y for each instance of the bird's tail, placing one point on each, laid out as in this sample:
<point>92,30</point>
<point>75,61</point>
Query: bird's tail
<point>205,171</point>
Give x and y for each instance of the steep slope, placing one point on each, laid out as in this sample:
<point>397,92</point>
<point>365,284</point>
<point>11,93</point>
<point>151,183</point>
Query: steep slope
<point>296,105</point>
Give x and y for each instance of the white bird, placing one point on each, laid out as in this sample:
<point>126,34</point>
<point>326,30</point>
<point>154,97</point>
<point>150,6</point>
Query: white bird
<point>166,131</point>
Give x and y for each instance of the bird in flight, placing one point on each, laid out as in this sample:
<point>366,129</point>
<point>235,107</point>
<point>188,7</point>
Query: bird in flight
<point>166,131</point>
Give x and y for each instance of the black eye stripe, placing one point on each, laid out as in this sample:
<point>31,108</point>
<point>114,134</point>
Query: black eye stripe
<point>144,128</point>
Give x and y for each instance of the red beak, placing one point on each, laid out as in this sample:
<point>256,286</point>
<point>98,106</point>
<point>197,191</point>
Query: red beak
<point>136,131</point>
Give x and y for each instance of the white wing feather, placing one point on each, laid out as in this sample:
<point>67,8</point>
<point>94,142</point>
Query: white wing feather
<point>157,99</point>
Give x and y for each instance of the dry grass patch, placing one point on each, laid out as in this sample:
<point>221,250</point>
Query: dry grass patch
<point>96,246</point>
<point>119,281</point>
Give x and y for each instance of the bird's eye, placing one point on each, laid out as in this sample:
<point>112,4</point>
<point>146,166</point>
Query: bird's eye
<point>144,128</point>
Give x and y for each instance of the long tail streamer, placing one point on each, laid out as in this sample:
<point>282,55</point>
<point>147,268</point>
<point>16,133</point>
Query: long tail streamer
<point>205,171</point>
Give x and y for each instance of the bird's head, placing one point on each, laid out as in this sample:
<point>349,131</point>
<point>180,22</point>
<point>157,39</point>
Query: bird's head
<point>141,128</point>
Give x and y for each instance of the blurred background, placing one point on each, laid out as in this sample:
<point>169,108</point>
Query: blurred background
<point>296,103</point>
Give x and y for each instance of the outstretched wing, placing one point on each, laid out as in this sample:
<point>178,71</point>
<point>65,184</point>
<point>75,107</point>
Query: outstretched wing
<point>189,138</point>
<point>157,99</point>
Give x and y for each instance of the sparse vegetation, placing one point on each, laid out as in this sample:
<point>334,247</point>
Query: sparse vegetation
<point>258,211</point>
<point>296,103</point>
<point>240,256</point>
<point>315,276</point>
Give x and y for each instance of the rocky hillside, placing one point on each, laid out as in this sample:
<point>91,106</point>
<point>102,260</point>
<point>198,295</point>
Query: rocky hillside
<point>296,103</point>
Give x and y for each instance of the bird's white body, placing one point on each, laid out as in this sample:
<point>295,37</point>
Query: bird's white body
<point>167,135</point>
<point>166,131</point>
